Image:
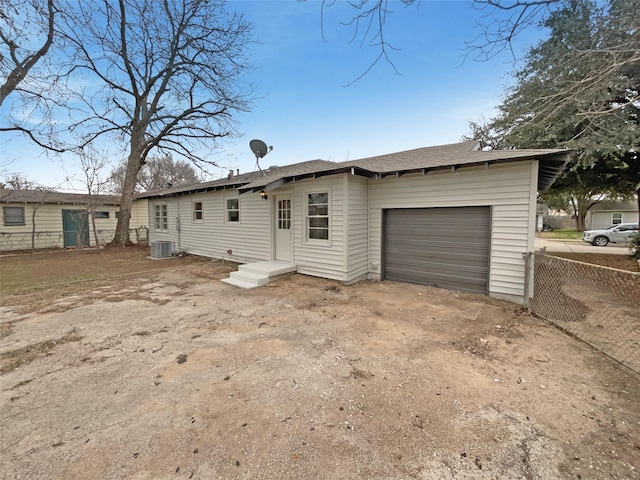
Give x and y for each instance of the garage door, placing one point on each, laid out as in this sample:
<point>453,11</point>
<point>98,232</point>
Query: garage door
<point>442,247</point>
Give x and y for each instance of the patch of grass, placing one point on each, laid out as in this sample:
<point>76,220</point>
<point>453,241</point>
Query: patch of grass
<point>11,360</point>
<point>568,234</point>
<point>31,272</point>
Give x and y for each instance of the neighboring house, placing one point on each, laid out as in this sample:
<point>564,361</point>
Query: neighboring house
<point>549,218</point>
<point>611,212</point>
<point>61,219</point>
<point>450,216</point>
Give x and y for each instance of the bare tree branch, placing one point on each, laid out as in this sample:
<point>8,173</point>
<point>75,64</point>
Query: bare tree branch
<point>165,76</point>
<point>368,26</point>
<point>34,139</point>
<point>23,59</point>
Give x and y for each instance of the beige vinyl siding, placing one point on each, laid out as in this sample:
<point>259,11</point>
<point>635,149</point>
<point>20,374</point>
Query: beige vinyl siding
<point>357,228</point>
<point>604,219</point>
<point>505,188</point>
<point>319,258</point>
<point>139,214</point>
<point>106,227</point>
<point>48,220</point>
<point>171,233</point>
<point>249,239</point>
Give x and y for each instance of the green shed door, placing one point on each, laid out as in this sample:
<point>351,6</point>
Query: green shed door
<point>75,227</point>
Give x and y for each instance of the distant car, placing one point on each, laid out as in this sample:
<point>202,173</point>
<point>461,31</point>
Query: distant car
<point>620,233</point>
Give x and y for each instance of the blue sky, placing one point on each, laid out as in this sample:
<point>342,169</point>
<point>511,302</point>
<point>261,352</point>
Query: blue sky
<point>305,111</point>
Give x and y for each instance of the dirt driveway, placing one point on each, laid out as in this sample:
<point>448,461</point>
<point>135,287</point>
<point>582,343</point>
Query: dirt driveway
<point>172,374</point>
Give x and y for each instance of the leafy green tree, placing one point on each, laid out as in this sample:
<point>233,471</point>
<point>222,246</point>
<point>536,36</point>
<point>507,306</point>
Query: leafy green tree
<point>579,90</point>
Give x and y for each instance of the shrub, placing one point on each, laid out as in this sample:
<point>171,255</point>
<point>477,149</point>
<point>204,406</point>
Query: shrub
<point>634,245</point>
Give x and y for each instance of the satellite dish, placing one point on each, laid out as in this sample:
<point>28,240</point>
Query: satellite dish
<point>259,148</point>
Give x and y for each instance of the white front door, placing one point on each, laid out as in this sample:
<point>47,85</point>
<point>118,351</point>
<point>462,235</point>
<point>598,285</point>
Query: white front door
<point>283,228</point>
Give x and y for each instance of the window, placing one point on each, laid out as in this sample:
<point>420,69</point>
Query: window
<point>160,214</point>
<point>13,216</point>
<point>616,218</point>
<point>100,214</point>
<point>233,210</point>
<point>284,214</point>
<point>318,216</point>
<point>197,211</point>
<point>628,227</point>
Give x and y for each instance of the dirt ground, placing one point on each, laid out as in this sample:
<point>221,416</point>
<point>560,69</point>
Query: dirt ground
<point>170,373</point>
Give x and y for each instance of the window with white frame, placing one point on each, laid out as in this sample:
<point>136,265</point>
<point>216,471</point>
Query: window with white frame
<point>317,216</point>
<point>161,218</point>
<point>284,214</point>
<point>197,211</point>
<point>100,214</point>
<point>233,210</point>
<point>13,216</point>
<point>616,218</point>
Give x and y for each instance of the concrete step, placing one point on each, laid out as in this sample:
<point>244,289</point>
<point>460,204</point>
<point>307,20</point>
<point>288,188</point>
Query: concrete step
<point>249,277</point>
<point>268,269</point>
<point>239,283</point>
<point>252,275</point>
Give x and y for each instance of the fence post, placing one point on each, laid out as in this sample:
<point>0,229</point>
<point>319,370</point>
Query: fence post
<point>528,278</point>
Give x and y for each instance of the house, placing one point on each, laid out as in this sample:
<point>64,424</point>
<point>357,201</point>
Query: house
<point>61,219</point>
<point>611,212</point>
<point>451,216</point>
<point>551,218</point>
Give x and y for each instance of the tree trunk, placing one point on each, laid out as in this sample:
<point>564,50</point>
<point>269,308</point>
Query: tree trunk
<point>134,164</point>
<point>121,238</point>
<point>582,206</point>
<point>92,214</point>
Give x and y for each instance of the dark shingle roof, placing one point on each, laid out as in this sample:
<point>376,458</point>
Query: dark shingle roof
<point>615,205</point>
<point>239,181</point>
<point>457,154</point>
<point>220,184</point>
<point>416,159</point>
<point>43,196</point>
<point>551,164</point>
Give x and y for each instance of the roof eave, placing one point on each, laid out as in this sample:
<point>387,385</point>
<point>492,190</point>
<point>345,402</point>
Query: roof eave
<point>550,168</point>
<point>189,191</point>
<point>268,186</point>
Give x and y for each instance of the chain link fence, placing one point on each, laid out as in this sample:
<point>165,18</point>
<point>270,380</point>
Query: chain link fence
<point>599,305</point>
<point>43,240</point>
